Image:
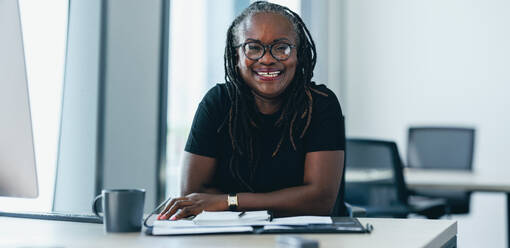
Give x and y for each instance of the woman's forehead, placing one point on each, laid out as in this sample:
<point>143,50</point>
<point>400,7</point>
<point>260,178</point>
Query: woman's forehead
<point>267,27</point>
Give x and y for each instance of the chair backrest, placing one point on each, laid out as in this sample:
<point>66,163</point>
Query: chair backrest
<point>440,148</point>
<point>374,173</point>
<point>339,209</point>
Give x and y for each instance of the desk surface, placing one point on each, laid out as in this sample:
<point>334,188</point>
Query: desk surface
<point>458,180</point>
<point>387,233</point>
<point>447,179</point>
<point>438,179</point>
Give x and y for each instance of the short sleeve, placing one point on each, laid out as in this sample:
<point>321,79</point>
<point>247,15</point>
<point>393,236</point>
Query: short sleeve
<point>203,137</point>
<point>327,127</point>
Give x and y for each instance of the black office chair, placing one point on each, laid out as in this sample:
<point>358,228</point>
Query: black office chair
<point>440,148</point>
<point>343,209</point>
<point>376,183</point>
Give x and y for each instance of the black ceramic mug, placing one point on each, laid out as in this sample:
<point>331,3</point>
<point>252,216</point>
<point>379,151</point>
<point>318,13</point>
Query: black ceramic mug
<point>122,209</point>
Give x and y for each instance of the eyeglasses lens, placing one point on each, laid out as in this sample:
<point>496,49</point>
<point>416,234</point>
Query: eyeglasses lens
<point>255,51</point>
<point>281,51</point>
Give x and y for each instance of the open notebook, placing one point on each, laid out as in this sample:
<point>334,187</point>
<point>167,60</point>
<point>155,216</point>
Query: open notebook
<point>253,222</point>
<point>229,218</point>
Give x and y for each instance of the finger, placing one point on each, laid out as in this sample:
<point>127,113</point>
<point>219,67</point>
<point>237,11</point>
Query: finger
<point>169,205</point>
<point>177,207</point>
<point>179,204</point>
<point>186,212</point>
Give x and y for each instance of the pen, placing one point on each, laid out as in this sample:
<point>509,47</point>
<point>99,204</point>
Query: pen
<point>241,214</point>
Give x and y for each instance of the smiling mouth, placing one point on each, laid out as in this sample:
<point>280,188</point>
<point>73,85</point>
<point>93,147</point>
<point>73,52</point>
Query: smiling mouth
<point>268,75</point>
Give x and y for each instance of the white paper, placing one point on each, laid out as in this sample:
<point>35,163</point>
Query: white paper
<point>229,218</point>
<point>200,230</point>
<point>173,223</point>
<point>301,220</point>
<point>229,215</point>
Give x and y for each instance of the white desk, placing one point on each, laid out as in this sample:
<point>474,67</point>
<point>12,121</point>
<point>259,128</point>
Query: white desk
<point>387,233</point>
<point>469,181</point>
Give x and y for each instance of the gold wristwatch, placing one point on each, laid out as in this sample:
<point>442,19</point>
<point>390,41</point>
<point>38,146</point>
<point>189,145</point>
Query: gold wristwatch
<point>232,202</point>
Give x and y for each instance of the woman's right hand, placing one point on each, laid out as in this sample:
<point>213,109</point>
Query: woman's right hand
<point>193,204</point>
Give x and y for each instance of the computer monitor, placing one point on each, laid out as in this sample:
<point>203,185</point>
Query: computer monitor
<point>18,177</point>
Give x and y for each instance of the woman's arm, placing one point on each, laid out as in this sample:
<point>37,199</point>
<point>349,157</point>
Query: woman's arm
<point>196,193</point>
<point>322,175</point>
<point>197,173</point>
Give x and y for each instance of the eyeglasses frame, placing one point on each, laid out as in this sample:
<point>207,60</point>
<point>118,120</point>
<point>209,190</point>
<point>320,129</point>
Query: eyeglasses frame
<point>269,46</point>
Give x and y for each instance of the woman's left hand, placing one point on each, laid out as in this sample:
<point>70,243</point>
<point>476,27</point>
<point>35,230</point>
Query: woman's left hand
<point>193,204</point>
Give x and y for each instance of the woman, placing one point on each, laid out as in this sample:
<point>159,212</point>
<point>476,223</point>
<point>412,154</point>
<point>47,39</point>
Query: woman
<point>269,138</point>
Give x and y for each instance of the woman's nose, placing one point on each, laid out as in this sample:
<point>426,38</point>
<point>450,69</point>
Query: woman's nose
<point>267,59</point>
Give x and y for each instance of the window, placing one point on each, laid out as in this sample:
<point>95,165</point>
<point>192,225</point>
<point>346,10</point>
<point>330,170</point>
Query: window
<point>44,26</point>
<point>195,65</point>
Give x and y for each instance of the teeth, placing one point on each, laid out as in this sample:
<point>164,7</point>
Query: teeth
<point>269,74</point>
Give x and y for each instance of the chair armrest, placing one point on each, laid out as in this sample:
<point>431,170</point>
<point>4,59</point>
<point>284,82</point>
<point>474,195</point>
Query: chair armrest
<point>432,208</point>
<point>412,192</point>
<point>354,211</point>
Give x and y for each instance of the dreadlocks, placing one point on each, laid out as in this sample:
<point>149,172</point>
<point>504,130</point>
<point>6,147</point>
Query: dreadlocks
<point>243,118</point>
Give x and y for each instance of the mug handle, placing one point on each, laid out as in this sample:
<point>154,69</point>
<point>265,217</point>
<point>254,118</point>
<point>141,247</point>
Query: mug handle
<point>94,206</point>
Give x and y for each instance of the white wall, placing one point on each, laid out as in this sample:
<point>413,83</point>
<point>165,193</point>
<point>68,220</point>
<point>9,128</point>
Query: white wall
<point>441,62</point>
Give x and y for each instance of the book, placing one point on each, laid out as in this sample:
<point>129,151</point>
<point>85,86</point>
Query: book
<point>230,218</point>
<point>159,230</point>
<point>212,223</point>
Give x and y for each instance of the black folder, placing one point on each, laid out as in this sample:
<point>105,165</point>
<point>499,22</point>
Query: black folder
<point>339,225</point>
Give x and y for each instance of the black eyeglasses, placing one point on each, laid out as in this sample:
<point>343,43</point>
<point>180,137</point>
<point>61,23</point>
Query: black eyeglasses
<point>255,50</point>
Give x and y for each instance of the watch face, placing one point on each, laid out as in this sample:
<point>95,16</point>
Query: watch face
<point>232,200</point>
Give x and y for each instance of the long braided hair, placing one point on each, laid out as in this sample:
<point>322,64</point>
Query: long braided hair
<point>243,118</point>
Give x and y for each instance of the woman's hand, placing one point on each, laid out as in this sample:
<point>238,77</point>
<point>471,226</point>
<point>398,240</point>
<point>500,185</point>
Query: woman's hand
<point>193,204</point>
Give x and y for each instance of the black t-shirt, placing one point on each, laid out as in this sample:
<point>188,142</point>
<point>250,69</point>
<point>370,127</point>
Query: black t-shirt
<point>325,133</point>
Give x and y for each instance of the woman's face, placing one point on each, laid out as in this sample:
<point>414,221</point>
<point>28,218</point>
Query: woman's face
<point>267,77</point>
